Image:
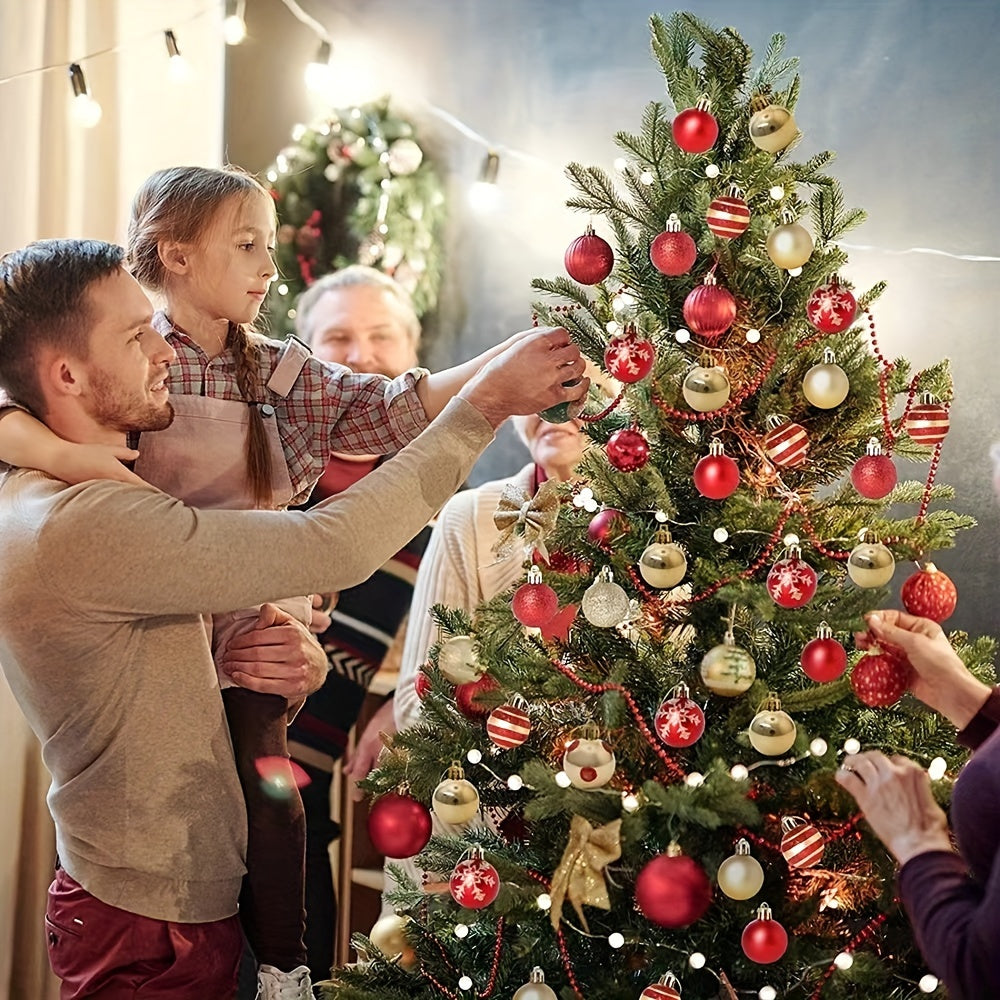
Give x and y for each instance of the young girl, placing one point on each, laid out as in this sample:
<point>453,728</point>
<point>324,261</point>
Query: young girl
<point>255,421</point>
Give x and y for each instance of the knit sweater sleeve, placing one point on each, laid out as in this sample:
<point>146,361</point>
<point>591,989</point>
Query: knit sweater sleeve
<point>983,724</point>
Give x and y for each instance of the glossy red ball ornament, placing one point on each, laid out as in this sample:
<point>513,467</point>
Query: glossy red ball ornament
<point>627,450</point>
<point>802,845</point>
<point>874,474</point>
<point>474,883</point>
<point>792,581</point>
<point>673,252</point>
<point>831,307</point>
<point>679,721</point>
<point>764,940</point>
<point>929,593</point>
<point>880,680</point>
<point>728,217</point>
<point>673,891</point>
<point>629,358</point>
<point>823,659</point>
<point>787,444</point>
<point>421,684</point>
<point>606,524</point>
<point>466,697</point>
<point>508,726</point>
<point>716,476</point>
<point>589,258</point>
<point>695,130</point>
<point>709,309</point>
<point>927,422</point>
<point>398,825</point>
<point>534,603</point>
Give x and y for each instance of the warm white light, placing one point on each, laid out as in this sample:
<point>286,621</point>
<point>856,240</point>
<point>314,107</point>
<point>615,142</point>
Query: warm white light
<point>590,506</point>
<point>767,993</point>
<point>660,516</point>
<point>621,164</point>
<point>178,69</point>
<point>696,960</point>
<point>272,175</point>
<point>682,336</point>
<point>484,197</point>
<point>298,131</point>
<point>562,779</point>
<point>291,314</point>
<point>234,29</point>
<point>282,289</point>
<point>739,772</point>
<point>721,535</point>
<point>694,780</point>
<point>937,769</point>
<point>515,782</point>
<point>646,178</point>
<point>544,901</point>
<point>791,539</point>
<point>319,73</point>
<point>630,802</point>
<point>928,983</point>
<point>777,192</point>
<point>613,327</point>
<point>753,336</point>
<point>851,745</point>
<point>281,162</point>
<point>86,111</point>
<point>844,961</point>
<point>712,170</point>
<point>616,940</point>
<point>794,272</point>
<point>474,756</point>
<point>465,983</point>
<point>461,930</point>
<point>818,747</point>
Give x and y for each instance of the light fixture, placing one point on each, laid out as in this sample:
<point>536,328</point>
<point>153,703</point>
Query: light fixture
<point>177,66</point>
<point>318,71</point>
<point>86,111</point>
<point>234,27</point>
<point>484,195</point>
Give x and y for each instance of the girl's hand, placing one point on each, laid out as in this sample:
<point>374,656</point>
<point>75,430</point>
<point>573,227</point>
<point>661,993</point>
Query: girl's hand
<point>79,463</point>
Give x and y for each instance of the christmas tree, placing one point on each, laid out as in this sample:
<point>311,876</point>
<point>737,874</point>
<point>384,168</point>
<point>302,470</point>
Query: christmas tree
<point>660,778</point>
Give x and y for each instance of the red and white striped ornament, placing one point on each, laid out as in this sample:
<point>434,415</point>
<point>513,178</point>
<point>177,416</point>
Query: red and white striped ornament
<point>667,987</point>
<point>927,422</point>
<point>786,443</point>
<point>802,844</point>
<point>509,725</point>
<point>728,216</point>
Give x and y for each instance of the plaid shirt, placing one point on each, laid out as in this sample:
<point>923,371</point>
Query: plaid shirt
<point>329,408</point>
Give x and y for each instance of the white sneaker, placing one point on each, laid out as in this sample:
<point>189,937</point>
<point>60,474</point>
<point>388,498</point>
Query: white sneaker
<point>273,984</point>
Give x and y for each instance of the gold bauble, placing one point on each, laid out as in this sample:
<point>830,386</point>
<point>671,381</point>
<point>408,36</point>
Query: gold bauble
<point>772,732</point>
<point>871,565</point>
<point>706,389</point>
<point>663,563</point>
<point>740,876</point>
<point>772,128</point>
<point>789,245</point>
<point>455,800</point>
<point>604,603</point>
<point>535,989</point>
<point>727,669</point>
<point>589,763</point>
<point>389,936</point>
<point>458,660</point>
<point>826,385</point>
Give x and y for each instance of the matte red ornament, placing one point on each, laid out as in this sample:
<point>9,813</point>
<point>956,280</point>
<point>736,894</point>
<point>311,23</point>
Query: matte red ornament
<point>474,883</point>
<point>823,659</point>
<point>802,845</point>
<point>673,890</point>
<point>786,444</point>
<point>508,726</point>
<point>874,474</point>
<point>792,581</point>
<point>534,603</point>
<point>421,684</point>
<point>589,258</point>
<point>629,358</point>
<point>695,129</point>
<point>709,309</point>
<point>607,523</point>
<point>465,697</point>
<point>627,450</point>
<point>764,940</point>
<point>831,307</point>
<point>929,593</point>
<point>398,825</point>
<point>927,422</point>
<point>880,680</point>
<point>728,217</point>
<point>673,252</point>
<point>679,721</point>
<point>716,476</point>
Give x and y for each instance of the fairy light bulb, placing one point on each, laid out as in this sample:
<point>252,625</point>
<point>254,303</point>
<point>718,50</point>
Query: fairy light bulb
<point>515,782</point>
<point>767,993</point>
<point>646,178</point>
<point>851,745</point>
<point>234,28</point>
<point>85,110</point>
<point>474,756</point>
<point>562,779</point>
<point>544,901</point>
<point>318,73</point>
<point>777,192</point>
<point>711,170</point>
<point>178,68</point>
<point>620,164</point>
<point>739,772</point>
<point>272,175</point>
<point>928,983</point>
<point>794,272</point>
<point>613,327</point>
<point>630,802</point>
<point>465,983</point>
<point>616,940</point>
<point>696,960</point>
<point>660,517</point>
<point>484,195</point>
<point>844,961</point>
<point>682,336</point>
<point>721,535</point>
<point>937,769</point>
<point>461,930</point>
<point>753,336</point>
<point>818,747</point>
<point>694,780</point>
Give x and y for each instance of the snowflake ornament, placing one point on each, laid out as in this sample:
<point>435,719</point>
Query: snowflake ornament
<point>679,721</point>
<point>475,883</point>
<point>831,307</point>
<point>792,581</point>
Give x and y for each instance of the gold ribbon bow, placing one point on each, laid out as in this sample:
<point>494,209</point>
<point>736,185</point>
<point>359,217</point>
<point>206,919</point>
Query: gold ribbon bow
<point>580,875</point>
<point>531,517</point>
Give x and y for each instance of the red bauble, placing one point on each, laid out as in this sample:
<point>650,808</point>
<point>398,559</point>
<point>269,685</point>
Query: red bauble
<point>929,593</point>
<point>679,721</point>
<point>695,130</point>
<point>663,990</point>
<point>880,680</point>
<point>606,524</point>
<point>465,697</point>
<point>787,444</point>
<point>627,450</point>
<point>716,476</point>
<point>874,476</point>
<point>802,845</point>
<point>534,604</point>
<point>791,582</point>
<point>421,684</point>
<point>927,422</point>
<point>474,883</point>
<point>398,825</point>
<point>823,659</point>
<point>673,891</point>
<point>728,217</point>
<point>831,307</point>
<point>764,940</point>
<point>673,253</point>
<point>709,309</point>
<point>589,258</point>
<point>629,359</point>
<point>557,628</point>
<point>508,726</point>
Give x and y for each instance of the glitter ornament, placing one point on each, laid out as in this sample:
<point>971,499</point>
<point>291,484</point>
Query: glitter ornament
<point>534,603</point>
<point>663,563</point>
<point>458,659</point>
<point>740,876</point>
<point>679,721</point>
<point>604,603</point>
<point>927,422</point>
<point>728,216</point>
<point>673,252</point>
<point>870,564</point>
<point>606,525</point>
<point>772,128</point>
<point>627,450</point>
<point>666,987</point>
<point>709,309</point>
<point>589,258</point>
<point>880,680</point>
<point>673,890</point>
<point>706,389</point>
<point>421,684</point>
<point>772,731</point>
<point>535,988</point>
<point>789,245</point>
<point>727,669</point>
<point>509,725</point>
<point>716,475</point>
<point>785,443</point>
<point>826,385</point>
<point>455,800</point>
<point>467,697</point>
<point>474,883</point>
<point>791,581</point>
<point>695,129</point>
<point>398,825</point>
<point>802,845</point>
<point>831,308</point>
<point>764,940</point>
<point>628,358</point>
<point>823,659</point>
<point>589,762</point>
<point>389,936</point>
<point>929,593</point>
<point>874,474</point>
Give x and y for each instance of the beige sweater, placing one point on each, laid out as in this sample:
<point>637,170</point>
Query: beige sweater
<point>102,586</point>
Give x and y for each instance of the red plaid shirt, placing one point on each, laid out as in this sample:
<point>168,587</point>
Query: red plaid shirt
<point>329,408</point>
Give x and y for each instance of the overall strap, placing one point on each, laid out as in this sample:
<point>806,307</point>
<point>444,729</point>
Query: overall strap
<point>294,356</point>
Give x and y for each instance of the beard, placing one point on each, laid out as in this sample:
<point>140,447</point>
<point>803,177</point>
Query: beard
<point>114,407</point>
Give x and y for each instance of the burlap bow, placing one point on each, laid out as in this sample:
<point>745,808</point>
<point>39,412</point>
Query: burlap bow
<point>520,515</point>
<point>580,875</point>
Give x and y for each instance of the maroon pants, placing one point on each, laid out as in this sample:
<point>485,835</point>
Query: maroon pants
<point>104,953</point>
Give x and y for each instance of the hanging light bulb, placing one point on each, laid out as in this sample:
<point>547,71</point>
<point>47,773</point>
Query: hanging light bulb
<point>178,68</point>
<point>484,195</point>
<point>234,27</point>
<point>85,110</point>
<point>318,72</point>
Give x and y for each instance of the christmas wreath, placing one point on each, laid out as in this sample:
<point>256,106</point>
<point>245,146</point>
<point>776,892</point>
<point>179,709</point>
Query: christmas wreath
<point>355,187</point>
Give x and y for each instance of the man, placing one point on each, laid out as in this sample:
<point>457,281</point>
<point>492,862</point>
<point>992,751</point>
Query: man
<point>119,684</point>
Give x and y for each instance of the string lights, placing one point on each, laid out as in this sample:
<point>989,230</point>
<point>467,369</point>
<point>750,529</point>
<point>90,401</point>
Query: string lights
<point>85,110</point>
<point>234,27</point>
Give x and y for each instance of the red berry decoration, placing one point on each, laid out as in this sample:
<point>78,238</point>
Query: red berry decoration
<point>786,443</point>
<point>792,581</point>
<point>398,825</point>
<point>831,307</point>
<point>695,130</point>
<point>606,524</point>
<point>673,890</point>
<point>716,476</point>
<point>474,883</point>
<point>673,252</point>
<point>627,450</point>
<point>629,359</point>
<point>508,726</point>
<point>666,987</point>
<point>764,940</point>
<point>728,217</point>
<point>802,844</point>
<point>466,697</point>
<point>534,603</point>
<point>589,258</point>
<point>421,684</point>
<point>929,593</point>
<point>709,309</point>
<point>823,659</point>
<point>679,721</point>
<point>880,680</point>
<point>927,422</point>
<point>874,475</point>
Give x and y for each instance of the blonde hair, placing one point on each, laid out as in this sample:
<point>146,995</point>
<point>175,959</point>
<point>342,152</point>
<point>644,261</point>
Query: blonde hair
<point>180,204</point>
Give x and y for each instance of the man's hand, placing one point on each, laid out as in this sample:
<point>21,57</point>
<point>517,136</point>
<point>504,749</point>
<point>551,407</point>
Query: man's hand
<point>322,605</point>
<point>359,764</point>
<point>79,463</point>
<point>278,656</point>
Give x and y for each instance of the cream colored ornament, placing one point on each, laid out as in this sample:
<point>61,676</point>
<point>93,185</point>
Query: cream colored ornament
<point>789,245</point>
<point>455,800</point>
<point>826,384</point>
<point>772,730</point>
<point>458,660</point>
<point>663,564</point>
<point>741,876</point>
<point>604,603</point>
<point>706,389</point>
<point>535,988</point>
<point>870,563</point>
<point>589,762</point>
<point>727,669</point>
<point>772,128</point>
<point>389,936</point>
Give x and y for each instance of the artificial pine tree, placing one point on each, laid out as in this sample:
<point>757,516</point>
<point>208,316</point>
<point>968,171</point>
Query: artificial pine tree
<point>664,819</point>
